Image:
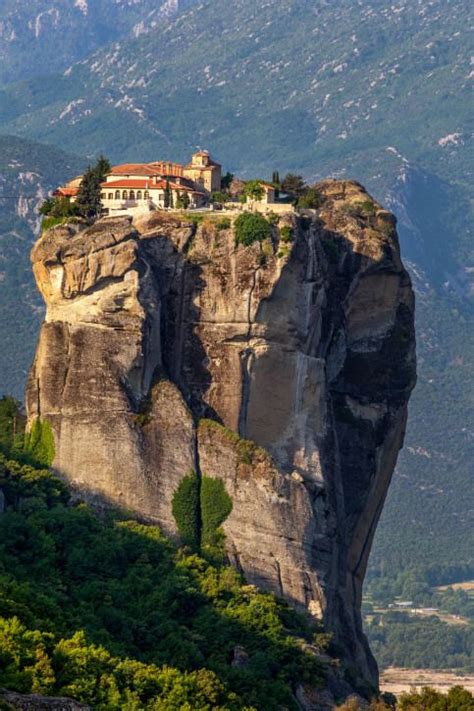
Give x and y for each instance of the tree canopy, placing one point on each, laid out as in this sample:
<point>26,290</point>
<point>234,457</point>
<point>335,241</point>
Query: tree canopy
<point>88,198</point>
<point>106,610</point>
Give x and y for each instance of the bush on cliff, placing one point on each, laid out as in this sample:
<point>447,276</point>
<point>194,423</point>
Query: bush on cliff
<point>216,505</point>
<point>39,442</point>
<point>310,198</point>
<point>251,227</point>
<point>109,612</point>
<point>185,508</point>
<point>200,507</point>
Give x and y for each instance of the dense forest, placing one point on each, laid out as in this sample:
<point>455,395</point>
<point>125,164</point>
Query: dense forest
<point>107,611</point>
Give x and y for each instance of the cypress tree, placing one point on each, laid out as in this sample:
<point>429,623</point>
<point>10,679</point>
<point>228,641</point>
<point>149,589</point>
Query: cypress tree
<point>276,183</point>
<point>168,197</point>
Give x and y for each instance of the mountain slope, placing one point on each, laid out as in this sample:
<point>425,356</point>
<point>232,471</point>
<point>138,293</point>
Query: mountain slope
<point>28,171</point>
<point>373,90</point>
<point>37,38</point>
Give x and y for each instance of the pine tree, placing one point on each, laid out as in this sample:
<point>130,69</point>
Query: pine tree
<point>88,198</point>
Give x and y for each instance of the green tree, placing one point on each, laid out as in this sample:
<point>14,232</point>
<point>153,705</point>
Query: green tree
<point>12,424</point>
<point>226,181</point>
<point>216,506</point>
<point>185,200</point>
<point>219,197</point>
<point>89,195</point>
<point>251,227</point>
<point>293,185</point>
<point>428,699</point>
<point>47,206</point>
<point>186,510</point>
<point>168,195</point>
<point>254,190</point>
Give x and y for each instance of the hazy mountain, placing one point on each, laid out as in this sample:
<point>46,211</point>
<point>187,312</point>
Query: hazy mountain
<point>374,90</point>
<point>40,37</point>
<point>27,172</point>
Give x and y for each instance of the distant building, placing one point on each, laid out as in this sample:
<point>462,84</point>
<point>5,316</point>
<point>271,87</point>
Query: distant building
<point>204,172</point>
<point>133,186</point>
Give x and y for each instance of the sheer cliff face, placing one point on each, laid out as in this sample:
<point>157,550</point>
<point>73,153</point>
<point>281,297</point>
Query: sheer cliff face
<point>164,346</point>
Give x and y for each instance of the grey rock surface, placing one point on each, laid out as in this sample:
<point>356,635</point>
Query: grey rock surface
<point>165,347</point>
<point>36,702</point>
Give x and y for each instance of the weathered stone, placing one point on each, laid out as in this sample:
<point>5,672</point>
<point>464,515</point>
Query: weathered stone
<point>240,657</point>
<point>165,347</point>
<point>35,702</point>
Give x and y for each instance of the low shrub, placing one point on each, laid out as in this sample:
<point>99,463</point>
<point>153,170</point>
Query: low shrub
<point>286,234</point>
<point>49,222</point>
<point>223,224</point>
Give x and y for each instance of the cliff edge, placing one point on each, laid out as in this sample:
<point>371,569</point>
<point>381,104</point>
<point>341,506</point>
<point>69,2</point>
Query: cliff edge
<point>282,368</point>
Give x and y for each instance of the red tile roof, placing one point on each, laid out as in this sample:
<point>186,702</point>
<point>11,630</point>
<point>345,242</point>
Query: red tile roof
<point>137,183</point>
<point>153,168</point>
<point>66,192</point>
<point>130,169</point>
<point>145,184</point>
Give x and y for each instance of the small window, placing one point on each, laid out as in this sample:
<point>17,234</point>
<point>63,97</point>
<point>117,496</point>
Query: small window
<point>117,194</point>
<point>139,194</point>
<point>146,194</point>
<point>132,194</point>
<point>124,195</point>
<point>111,196</point>
<point>103,196</point>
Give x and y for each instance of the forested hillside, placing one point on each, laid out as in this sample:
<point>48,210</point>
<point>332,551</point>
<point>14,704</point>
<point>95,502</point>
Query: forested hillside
<point>105,610</point>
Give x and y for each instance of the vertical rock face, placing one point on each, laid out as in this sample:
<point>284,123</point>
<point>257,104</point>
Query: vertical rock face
<point>165,347</point>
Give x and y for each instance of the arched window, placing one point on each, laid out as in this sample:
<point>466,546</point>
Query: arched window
<point>117,194</point>
<point>124,195</point>
<point>146,194</point>
<point>111,196</point>
<point>132,194</point>
<point>103,196</point>
<point>139,194</point>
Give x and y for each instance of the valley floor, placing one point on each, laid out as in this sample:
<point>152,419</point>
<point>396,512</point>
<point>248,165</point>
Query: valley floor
<point>396,680</point>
